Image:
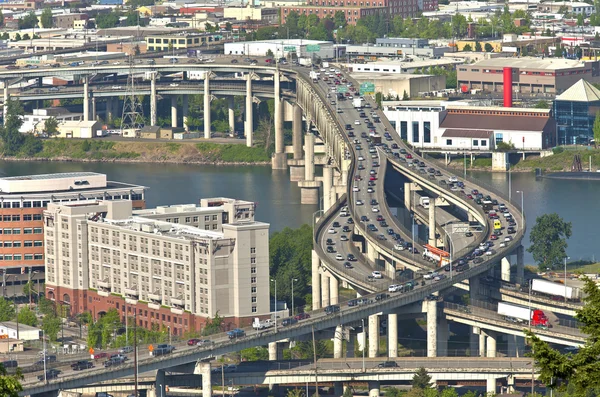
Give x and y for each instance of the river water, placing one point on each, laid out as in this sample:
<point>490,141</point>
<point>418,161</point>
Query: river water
<point>279,200</point>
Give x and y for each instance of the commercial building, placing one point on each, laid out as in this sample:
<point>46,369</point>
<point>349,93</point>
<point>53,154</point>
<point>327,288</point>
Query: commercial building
<point>179,41</point>
<point>251,13</point>
<point>352,9</point>
<point>10,329</point>
<point>529,74</point>
<point>67,21</point>
<point>172,266</point>
<point>282,48</point>
<point>407,66</point>
<point>575,111</point>
<point>397,85</point>
<point>78,129</point>
<point>572,7</point>
<point>34,123</point>
<point>24,198</point>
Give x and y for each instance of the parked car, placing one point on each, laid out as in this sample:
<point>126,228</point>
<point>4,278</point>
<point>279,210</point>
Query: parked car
<point>81,365</point>
<point>387,364</point>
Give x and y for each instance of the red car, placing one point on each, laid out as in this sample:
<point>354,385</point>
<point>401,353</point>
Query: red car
<point>373,178</point>
<point>269,61</point>
<point>379,218</point>
<point>469,197</point>
<point>493,237</point>
<point>193,342</point>
<point>409,156</point>
<point>302,316</point>
<point>98,356</point>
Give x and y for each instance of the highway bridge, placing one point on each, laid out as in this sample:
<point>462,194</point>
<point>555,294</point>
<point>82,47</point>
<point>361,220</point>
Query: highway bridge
<point>319,125</point>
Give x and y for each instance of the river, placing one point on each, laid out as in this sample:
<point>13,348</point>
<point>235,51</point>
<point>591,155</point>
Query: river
<point>279,200</point>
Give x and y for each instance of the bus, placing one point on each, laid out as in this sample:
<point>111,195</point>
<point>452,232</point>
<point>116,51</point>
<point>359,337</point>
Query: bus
<point>497,225</point>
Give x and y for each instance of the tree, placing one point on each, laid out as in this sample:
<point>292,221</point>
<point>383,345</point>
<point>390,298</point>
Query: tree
<point>405,96</point>
<point>339,20</point>
<point>26,36</point>
<point>467,47</point>
<point>27,316</point>
<point>10,385</point>
<point>421,379</point>
<point>596,129</point>
<point>579,370</point>
<point>488,47</point>
<point>478,46</point>
<point>28,21</point>
<point>46,18</point>
<point>7,310</point>
<point>213,325</point>
<point>106,21</point>
<point>256,353</point>
<point>541,104</point>
<point>549,240</point>
<point>296,392</point>
<point>51,126</point>
<point>270,53</point>
<point>51,325</point>
<point>18,37</point>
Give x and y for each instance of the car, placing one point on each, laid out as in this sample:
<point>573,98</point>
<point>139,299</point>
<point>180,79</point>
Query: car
<point>359,202</point>
<point>302,316</point>
<point>289,321</point>
<point>52,373</point>
<point>398,247</point>
<point>339,257</point>
<point>348,265</point>
<point>174,85</point>
<point>452,179</point>
<point>376,274</point>
<point>381,296</point>
<point>343,237</point>
<point>234,61</point>
<point>356,122</point>
<point>493,237</point>
<point>374,209</point>
<point>387,364</point>
<point>508,238</point>
<point>346,229</point>
<point>364,218</point>
<point>349,221</point>
<point>330,249</point>
<point>204,342</point>
<point>117,87</point>
<point>49,358</point>
<point>439,277</point>
<point>355,189</point>
<point>236,333</point>
<point>116,63</point>
<point>193,341</point>
<point>511,230</point>
<point>81,365</point>
<point>331,231</point>
<point>126,349</point>
<point>97,356</point>
<point>332,309</point>
<point>468,234</point>
<point>351,257</point>
<point>430,275</point>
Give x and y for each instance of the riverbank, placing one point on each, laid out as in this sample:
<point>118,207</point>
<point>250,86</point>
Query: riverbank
<point>146,152</point>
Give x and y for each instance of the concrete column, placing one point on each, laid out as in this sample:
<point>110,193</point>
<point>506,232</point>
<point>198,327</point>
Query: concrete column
<point>279,157</point>
<point>273,351</point>
<point>204,370</point>
<point>297,132</point>
<point>361,338</point>
<point>333,290</point>
<point>248,128</point>
<point>231,113</point>
<point>407,195</point>
<point>491,344</point>
<point>109,110</point>
<point>327,187</point>
<point>316,281</point>
<point>185,109</point>
<point>505,269</point>
<point>350,346</point>
<point>174,111</point>
<point>93,108</point>
<point>431,307</point>
<point>373,388</point>
<point>373,335</point>
<point>491,386</point>
<point>482,337</point>
<point>338,389</point>
<point>325,290</point>
<point>474,341</point>
<point>338,344</point>
<point>86,99</point>
<point>309,159</point>
<point>392,335</point>
<point>443,334</point>
<point>6,99</point>
<point>207,106</point>
<point>521,265</point>
<point>153,108</point>
<point>159,383</point>
<point>432,239</point>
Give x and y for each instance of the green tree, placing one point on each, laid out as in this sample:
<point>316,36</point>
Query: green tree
<point>339,20</point>
<point>17,37</point>
<point>596,129</point>
<point>27,317</point>
<point>478,47</point>
<point>541,104</point>
<point>46,18</point>
<point>28,21</point>
<point>405,96</point>
<point>10,385</point>
<point>467,47</point>
<point>213,325</point>
<point>296,392</point>
<point>46,306</point>
<point>7,310</point>
<point>106,21</point>
<point>270,53</point>
<point>549,240</point>
<point>26,36</point>
<point>421,379</point>
<point>256,353</point>
<point>488,47</point>
<point>51,326</point>
<point>51,126</point>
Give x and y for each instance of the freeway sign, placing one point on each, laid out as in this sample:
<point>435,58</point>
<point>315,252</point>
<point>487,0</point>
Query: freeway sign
<point>342,89</point>
<point>313,48</point>
<point>289,48</point>
<point>367,88</point>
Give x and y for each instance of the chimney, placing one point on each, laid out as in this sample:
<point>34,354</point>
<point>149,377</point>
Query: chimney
<point>507,82</point>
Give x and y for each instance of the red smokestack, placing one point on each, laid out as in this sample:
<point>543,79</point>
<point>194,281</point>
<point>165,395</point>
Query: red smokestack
<point>507,81</point>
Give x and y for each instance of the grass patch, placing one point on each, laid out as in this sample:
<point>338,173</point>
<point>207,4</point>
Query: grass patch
<point>232,153</point>
<point>562,160</point>
<point>586,269</point>
<point>173,147</point>
<point>482,162</point>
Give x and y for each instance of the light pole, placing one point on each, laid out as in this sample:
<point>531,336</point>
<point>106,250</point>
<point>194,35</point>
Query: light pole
<point>465,164</point>
<point>169,329</point>
<point>522,208</point>
<point>275,306</point>
<point>161,390</point>
<point>509,183</point>
<point>364,342</point>
<point>566,257</point>
<point>294,279</point>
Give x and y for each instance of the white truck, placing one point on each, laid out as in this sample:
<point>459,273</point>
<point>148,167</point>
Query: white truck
<point>523,314</point>
<point>305,61</point>
<point>196,74</point>
<point>424,201</point>
<point>325,65</point>
<point>264,324</point>
<point>357,103</point>
<point>314,76</point>
<point>555,289</point>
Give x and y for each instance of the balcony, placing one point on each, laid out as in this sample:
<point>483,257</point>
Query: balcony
<point>155,297</point>
<point>103,292</point>
<point>153,305</point>
<point>105,283</point>
<point>177,302</point>
<point>131,292</point>
<point>176,310</point>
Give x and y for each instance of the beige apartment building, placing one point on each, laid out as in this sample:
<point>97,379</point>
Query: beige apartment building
<point>172,266</point>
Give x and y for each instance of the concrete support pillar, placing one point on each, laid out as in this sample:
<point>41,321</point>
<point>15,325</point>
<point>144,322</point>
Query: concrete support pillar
<point>482,337</point>
<point>373,389</point>
<point>273,351</point>
<point>316,281</point>
<point>297,132</point>
<point>516,346</point>
<point>174,111</point>
<point>207,106</point>
<point>6,99</point>
<point>86,99</point>
<point>505,269</point>
<point>327,187</point>
<point>249,125</point>
<point>521,265</point>
<point>392,335</point>
<point>491,344</point>
<point>338,389</point>
<point>325,290</point>
<point>93,108</point>
<point>431,307</point>
<point>279,157</point>
<point>153,105</point>
<point>432,239</point>
<point>361,338</point>
<point>350,346</point>
<point>338,338</point>
<point>333,290</point>
<point>309,159</point>
<point>510,383</point>
<point>443,334</point>
<point>373,335</point>
<point>407,195</point>
<point>231,113</point>
<point>185,109</point>
<point>160,384</point>
<point>491,386</point>
<point>204,370</point>
<point>108,115</point>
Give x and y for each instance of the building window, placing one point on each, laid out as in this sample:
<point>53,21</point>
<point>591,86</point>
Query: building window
<point>252,270</point>
<point>254,309</point>
<point>253,260</point>
<point>27,230</point>
<point>16,218</point>
<point>448,142</point>
<point>253,290</point>
<point>37,230</point>
<point>38,243</point>
<point>404,130</point>
<point>499,138</point>
<point>483,142</point>
<point>254,299</point>
<point>253,280</point>
<point>27,217</point>
<point>253,250</point>
<point>415,131</point>
<point>28,244</point>
<point>427,132</point>
<point>475,142</point>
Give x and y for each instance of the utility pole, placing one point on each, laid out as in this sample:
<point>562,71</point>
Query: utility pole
<point>315,358</point>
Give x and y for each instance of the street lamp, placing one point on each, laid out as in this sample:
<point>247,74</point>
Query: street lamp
<point>566,257</point>
<point>275,306</point>
<point>522,208</point>
<point>293,279</point>
<point>161,390</point>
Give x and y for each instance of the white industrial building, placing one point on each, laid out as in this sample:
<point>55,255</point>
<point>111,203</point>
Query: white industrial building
<point>282,48</point>
<point>36,122</point>
<point>25,331</point>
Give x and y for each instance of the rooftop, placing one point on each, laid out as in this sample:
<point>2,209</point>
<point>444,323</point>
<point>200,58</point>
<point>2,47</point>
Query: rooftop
<point>531,63</point>
<point>582,91</point>
<point>175,209</point>
<point>64,175</point>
